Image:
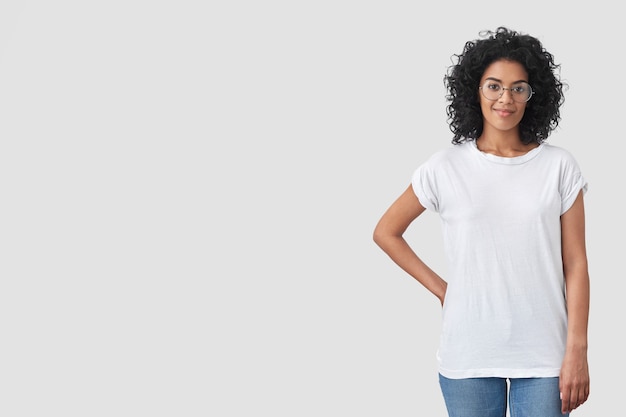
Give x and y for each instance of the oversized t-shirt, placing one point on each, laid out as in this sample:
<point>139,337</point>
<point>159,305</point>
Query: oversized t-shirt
<point>504,313</point>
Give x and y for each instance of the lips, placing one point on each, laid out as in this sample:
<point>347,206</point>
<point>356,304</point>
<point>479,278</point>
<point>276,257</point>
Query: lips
<point>503,112</point>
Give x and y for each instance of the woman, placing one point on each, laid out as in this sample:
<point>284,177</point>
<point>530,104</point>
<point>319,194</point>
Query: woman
<point>516,298</point>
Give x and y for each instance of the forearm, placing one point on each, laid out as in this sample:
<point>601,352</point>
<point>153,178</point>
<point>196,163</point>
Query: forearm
<point>402,254</point>
<point>578,296</point>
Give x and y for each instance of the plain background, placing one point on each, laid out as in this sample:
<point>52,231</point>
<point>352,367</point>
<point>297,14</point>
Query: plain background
<point>188,191</point>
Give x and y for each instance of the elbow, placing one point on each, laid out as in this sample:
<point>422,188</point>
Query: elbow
<point>377,237</point>
<point>380,237</point>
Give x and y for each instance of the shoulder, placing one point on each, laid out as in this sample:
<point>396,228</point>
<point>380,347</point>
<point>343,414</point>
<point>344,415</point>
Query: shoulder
<point>557,152</point>
<point>564,163</point>
<point>559,157</point>
<point>451,154</point>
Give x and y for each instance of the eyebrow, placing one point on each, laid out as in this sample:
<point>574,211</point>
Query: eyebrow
<point>500,81</point>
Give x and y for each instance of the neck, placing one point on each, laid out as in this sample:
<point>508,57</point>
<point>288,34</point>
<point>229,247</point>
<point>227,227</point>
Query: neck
<point>504,146</point>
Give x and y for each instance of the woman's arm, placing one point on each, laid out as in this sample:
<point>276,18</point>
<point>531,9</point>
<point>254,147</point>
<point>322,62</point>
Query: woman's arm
<point>574,379</point>
<point>388,234</point>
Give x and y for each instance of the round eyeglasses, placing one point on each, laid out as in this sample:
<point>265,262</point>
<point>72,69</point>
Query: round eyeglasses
<point>521,92</point>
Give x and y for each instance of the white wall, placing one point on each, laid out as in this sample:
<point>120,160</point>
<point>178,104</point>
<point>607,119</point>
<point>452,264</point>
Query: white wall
<point>188,191</point>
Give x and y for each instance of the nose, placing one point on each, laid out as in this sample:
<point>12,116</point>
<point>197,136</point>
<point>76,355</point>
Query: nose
<point>506,91</point>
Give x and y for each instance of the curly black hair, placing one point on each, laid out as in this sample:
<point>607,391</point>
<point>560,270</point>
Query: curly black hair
<point>462,79</point>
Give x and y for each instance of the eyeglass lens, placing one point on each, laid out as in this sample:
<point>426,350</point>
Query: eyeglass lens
<point>520,92</point>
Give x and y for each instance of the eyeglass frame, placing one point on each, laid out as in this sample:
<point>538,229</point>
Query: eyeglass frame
<point>532,92</point>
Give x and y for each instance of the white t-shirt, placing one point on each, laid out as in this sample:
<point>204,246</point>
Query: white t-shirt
<point>504,313</point>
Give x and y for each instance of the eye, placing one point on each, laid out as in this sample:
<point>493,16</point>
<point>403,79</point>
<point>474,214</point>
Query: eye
<point>493,86</point>
<point>520,89</point>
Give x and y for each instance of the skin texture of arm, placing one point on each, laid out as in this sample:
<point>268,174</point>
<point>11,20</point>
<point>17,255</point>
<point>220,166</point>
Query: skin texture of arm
<point>388,235</point>
<point>574,377</point>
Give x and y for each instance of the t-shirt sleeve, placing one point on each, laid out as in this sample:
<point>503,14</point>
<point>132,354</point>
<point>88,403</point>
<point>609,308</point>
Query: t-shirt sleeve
<point>425,187</point>
<point>572,181</point>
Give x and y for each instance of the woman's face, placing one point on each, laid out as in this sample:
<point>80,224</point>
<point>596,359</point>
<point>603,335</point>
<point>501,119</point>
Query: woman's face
<point>503,113</point>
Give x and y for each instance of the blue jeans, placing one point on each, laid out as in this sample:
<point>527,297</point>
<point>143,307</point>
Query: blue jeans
<point>487,397</point>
